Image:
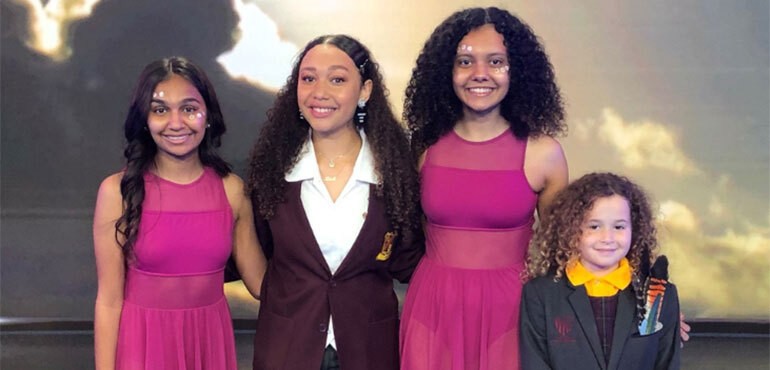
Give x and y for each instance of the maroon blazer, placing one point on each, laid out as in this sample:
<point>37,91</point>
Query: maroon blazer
<point>299,292</point>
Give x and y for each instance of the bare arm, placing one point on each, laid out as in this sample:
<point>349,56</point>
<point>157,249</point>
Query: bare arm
<point>546,169</point>
<point>110,272</point>
<point>247,252</point>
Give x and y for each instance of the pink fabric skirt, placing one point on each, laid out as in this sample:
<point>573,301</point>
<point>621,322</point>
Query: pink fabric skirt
<point>462,306</point>
<point>179,322</point>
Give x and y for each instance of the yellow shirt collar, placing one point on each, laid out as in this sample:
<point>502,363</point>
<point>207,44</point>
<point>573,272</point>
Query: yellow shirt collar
<point>605,286</point>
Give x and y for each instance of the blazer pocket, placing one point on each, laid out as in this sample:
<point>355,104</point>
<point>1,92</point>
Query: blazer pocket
<point>382,344</point>
<point>272,341</point>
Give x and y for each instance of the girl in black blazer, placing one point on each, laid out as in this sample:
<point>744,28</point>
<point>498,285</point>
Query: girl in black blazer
<point>593,301</point>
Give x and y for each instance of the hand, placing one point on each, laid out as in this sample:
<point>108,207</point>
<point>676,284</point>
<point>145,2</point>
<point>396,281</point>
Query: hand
<point>684,329</point>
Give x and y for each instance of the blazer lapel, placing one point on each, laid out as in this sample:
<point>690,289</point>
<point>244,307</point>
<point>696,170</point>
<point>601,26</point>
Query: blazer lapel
<point>578,299</point>
<point>624,325</point>
<point>303,228</point>
<point>375,207</point>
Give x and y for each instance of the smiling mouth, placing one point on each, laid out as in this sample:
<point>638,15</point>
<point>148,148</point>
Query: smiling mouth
<point>480,90</point>
<point>177,138</point>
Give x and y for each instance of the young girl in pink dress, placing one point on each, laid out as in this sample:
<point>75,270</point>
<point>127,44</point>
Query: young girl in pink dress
<point>164,228</point>
<point>482,107</point>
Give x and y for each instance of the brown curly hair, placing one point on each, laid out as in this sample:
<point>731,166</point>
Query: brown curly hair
<point>533,105</point>
<point>277,149</point>
<point>555,243</point>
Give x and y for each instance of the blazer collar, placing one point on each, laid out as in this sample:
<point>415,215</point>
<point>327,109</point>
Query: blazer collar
<point>624,323</point>
<point>305,231</point>
<point>578,299</point>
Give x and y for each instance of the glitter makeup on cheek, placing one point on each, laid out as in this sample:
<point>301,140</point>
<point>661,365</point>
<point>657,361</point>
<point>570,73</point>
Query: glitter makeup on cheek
<point>194,117</point>
<point>502,70</point>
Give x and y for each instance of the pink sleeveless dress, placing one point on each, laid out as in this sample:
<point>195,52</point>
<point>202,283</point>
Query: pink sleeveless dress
<point>175,315</point>
<point>462,305</point>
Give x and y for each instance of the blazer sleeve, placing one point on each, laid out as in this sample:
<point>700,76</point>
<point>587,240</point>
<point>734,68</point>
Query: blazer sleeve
<point>533,340</point>
<point>669,347</point>
<point>406,256</point>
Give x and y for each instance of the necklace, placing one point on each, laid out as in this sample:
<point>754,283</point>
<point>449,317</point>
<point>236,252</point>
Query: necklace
<point>333,178</point>
<point>332,162</point>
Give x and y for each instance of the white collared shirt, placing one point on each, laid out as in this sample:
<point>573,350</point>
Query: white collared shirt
<point>335,225</point>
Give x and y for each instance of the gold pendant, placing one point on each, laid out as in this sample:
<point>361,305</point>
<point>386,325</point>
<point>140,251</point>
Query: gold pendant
<point>330,178</point>
<point>331,163</point>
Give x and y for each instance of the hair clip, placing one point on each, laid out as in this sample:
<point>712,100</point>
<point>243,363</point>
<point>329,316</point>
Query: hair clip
<point>362,65</point>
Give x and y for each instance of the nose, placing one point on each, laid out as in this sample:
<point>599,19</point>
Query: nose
<point>319,91</point>
<point>176,120</point>
<point>608,235</point>
<point>480,72</point>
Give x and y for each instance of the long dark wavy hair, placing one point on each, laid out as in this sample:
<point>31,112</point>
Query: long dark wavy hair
<point>277,149</point>
<point>533,105</point>
<point>556,241</point>
<point>141,149</point>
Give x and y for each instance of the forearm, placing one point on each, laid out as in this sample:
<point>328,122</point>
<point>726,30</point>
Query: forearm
<point>251,267</point>
<point>106,324</point>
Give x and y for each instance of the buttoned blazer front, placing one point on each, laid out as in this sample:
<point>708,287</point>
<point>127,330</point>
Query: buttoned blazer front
<point>558,330</point>
<point>300,292</point>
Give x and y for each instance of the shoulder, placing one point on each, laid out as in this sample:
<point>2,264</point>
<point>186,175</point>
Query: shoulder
<point>109,200</point>
<point>542,283</point>
<point>110,186</point>
<point>544,147</point>
<point>234,186</point>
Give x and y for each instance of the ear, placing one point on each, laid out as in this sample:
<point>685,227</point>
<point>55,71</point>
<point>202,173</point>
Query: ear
<point>366,90</point>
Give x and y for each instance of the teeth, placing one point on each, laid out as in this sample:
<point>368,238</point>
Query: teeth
<point>480,90</point>
<point>323,110</point>
<point>177,138</point>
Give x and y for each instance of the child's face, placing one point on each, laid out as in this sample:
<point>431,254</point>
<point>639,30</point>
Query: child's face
<point>605,234</point>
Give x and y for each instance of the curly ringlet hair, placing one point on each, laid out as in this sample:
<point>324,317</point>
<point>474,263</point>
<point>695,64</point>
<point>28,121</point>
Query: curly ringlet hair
<point>281,138</point>
<point>533,105</point>
<point>140,150</point>
<point>555,243</point>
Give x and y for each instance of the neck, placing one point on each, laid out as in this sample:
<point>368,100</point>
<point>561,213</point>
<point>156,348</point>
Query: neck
<point>179,170</point>
<point>475,126</point>
<point>337,144</point>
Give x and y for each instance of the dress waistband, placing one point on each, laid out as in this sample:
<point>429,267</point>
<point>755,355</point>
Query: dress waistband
<point>477,248</point>
<point>162,291</point>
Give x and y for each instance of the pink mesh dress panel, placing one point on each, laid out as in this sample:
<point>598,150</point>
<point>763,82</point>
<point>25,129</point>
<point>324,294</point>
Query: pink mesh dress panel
<point>462,305</point>
<point>175,315</point>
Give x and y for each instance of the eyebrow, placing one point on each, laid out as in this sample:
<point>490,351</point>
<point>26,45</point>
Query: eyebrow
<point>185,100</point>
<point>332,68</point>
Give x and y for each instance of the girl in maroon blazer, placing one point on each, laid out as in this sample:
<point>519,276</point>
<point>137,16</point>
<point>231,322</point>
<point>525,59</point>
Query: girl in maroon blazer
<point>594,302</point>
<point>336,197</point>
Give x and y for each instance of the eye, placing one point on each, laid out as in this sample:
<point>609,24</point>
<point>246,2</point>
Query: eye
<point>307,79</point>
<point>189,109</point>
<point>497,62</point>
<point>463,62</point>
<point>338,80</point>
<point>592,227</point>
<point>620,227</point>
<point>159,109</point>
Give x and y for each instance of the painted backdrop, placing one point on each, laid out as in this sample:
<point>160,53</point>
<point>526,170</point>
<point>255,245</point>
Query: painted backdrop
<point>673,94</point>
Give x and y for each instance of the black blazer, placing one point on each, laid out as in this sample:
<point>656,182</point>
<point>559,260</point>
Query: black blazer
<point>558,330</point>
<point>299,292</point>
